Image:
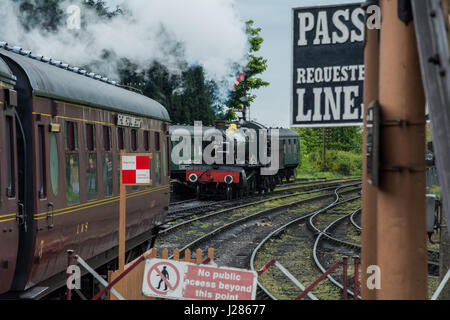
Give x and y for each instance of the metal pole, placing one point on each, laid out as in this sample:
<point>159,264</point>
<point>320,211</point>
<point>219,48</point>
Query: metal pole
<point>69,263</point>
<point>369,192</point>
<point>344,277</point>
<point>324,130</point>
<point>318,280</point>
<point>401,225</point>
<point>355,277</point>
<point>245,104</point>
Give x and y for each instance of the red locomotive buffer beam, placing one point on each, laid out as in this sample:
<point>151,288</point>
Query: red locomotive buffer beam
<point>212,176</point>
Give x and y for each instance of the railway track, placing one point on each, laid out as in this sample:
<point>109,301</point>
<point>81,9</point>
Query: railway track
<point>298,234</point>
<point>189,231</point>
<point>331,242</point>
<point>232,237</point>
<point>188,208</point>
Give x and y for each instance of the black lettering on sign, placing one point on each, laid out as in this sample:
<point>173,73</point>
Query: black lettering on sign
<point>328,66</point>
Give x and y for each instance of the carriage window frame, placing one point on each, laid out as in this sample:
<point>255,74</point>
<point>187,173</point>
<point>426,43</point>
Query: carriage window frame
<point>71,136</point>
<point>157,141</point>
<point>9,145</point>
<point>120,138</point>
<point>42,191</point>
<point>90,137</point>
<point>146,137</point>
<point>134,140</point>
<point>54,163</point>
<point>91,176</point>
<point>106,138</point>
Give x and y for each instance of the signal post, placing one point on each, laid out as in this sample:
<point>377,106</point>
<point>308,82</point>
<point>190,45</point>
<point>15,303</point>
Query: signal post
<point>401,246</point>
<point>369,194</point>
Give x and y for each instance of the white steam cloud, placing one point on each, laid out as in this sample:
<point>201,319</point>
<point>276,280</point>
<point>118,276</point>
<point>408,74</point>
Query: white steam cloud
<point>200,32</point>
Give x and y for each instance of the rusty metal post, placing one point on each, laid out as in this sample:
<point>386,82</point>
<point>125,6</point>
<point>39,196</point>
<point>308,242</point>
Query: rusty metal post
<point>369,192</point>
<point>69,263</point>
<point>401,235</point>
<point>355,277</point>
<point>344,277</point>
<point>316,282</point>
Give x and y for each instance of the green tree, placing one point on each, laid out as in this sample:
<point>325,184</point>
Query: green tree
<point>256,65</point>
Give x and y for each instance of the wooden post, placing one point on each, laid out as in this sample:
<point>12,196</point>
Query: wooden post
<point>122,218</point>
<point>444,247</point>
<point>369,194</point>
<point>401,226</point>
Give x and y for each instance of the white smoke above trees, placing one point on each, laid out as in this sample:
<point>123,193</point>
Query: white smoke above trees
<point>208,33</point>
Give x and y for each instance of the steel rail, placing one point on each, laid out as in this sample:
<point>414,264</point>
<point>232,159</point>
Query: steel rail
<point>250,217</point>
<point>216,213</point>
<point>353,222</point>
<point>245,200</point>
<point>283,228</point>
<point>323,233</point>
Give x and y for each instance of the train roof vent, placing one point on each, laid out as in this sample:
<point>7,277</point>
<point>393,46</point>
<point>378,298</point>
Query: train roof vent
<point>37,57</point>
<point>25,52</point>
<point>56,63</point>
<point>16,49</point>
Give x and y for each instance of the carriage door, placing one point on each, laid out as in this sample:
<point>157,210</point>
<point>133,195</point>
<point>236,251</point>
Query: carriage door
<point>9,209</point>
<point>47,136</point>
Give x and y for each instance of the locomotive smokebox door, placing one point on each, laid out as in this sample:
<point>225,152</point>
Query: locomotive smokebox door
<point>373,143</point>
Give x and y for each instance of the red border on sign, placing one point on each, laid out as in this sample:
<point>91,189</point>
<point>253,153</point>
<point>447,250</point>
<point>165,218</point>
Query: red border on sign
<point>165,280</point>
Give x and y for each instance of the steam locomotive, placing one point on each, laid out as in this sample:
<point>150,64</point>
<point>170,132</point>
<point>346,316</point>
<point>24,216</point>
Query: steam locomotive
<point>60,137</point>
<point>245,158</point>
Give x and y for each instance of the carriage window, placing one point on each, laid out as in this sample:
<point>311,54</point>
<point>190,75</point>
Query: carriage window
<point>71,136</point>
<point>91,176</point>
<point>90,137</point>
<point>157,141</point>
<point>134,142</point>
<point>72,179</point>
<point>120,140</point>
<point>42,163</point>
<point>54,164</point>
<point>107,138</point>
<point>164,159</point>
<point>107,174</point>
<point>157,168</point>
<point>10,157</point>
<point>146,140</point>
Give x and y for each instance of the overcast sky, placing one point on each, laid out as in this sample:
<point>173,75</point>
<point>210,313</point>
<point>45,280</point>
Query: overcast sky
<point>272,106</point>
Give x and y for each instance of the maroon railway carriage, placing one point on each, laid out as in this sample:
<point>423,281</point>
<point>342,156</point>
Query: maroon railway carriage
<point>60,135</point>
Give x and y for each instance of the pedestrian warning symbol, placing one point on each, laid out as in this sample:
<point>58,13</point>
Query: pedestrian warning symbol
<point>162,278</point>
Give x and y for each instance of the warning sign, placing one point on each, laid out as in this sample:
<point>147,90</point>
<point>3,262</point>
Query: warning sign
<point>136,169</point>
<point>181,280</point>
